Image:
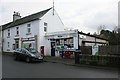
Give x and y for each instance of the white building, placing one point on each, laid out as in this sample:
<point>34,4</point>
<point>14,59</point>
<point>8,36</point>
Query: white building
<point>43,30</point>
<point>30,29</point>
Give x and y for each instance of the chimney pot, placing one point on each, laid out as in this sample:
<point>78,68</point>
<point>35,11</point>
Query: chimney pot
<point>16,16</point>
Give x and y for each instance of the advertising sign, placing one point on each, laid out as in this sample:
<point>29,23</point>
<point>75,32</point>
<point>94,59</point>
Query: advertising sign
<point>29,44</point>
<point>94,49</point>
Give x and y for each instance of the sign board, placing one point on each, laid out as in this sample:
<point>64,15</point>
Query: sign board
<point>94,49</point>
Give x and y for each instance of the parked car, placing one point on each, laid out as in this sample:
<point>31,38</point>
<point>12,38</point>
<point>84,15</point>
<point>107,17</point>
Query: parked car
<point>28,54</point>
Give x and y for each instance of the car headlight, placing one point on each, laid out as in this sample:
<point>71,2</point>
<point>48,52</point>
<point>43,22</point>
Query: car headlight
<point>32,55</point>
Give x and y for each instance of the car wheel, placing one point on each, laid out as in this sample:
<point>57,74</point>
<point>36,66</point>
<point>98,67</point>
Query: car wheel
<point>27,59</point>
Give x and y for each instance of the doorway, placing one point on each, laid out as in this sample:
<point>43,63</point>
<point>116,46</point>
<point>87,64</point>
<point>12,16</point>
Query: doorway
<point>52,48</point>
<point>16,43</point>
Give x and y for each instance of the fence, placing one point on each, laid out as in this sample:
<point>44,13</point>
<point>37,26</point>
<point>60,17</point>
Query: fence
<point>106,60</point>
<point>86,49</point>
<point>102,50</point>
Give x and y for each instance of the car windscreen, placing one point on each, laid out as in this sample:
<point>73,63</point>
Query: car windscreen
<point>32,50</point>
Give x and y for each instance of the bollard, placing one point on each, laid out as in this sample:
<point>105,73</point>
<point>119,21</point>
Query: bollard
<point>77,56</point>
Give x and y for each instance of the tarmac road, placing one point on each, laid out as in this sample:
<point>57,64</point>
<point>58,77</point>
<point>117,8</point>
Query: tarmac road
<point>20,69</point>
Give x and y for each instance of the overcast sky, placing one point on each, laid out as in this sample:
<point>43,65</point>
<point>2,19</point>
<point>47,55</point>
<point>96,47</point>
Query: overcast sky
<point>85,15</point>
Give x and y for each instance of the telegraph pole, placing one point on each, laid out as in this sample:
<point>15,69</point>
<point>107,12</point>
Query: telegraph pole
<point>53,7</point>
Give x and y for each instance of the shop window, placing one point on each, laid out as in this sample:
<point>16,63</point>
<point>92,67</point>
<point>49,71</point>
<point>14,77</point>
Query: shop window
<point>65,42</point>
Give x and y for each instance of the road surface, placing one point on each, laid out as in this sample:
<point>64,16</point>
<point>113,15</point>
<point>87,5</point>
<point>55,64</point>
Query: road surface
<point>20,69</point>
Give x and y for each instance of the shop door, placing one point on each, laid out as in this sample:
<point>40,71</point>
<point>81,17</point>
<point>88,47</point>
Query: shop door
<point>52,48</point>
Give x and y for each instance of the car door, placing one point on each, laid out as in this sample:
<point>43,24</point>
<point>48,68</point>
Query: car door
<point>22,54</point>
<point>18,53</point>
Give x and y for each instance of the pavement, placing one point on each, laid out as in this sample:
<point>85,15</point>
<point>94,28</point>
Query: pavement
<point>21,69</point>
<point>59,60</point>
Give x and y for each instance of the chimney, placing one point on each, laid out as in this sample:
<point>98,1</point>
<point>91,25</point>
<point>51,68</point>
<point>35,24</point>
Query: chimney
<point>16,16</point>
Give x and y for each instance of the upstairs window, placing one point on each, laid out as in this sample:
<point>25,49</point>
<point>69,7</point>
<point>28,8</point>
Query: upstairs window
<point>28,28</point>
<point>8,44</point>
<point>45,24</point>
<point>17,30</point>
<point>45,27</point>
<point>8,32</point>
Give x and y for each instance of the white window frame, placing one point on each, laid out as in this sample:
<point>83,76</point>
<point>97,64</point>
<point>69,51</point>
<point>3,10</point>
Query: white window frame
<point>17,30</point>
<point>28,28</point>
<point>8,32</point>
<point>45,26</point>
<point>8,44</point>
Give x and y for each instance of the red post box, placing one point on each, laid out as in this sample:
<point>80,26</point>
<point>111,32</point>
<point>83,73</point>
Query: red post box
<point>42,50</point>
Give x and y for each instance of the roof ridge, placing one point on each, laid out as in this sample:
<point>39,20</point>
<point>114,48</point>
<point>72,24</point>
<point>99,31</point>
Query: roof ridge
<point>35,13</point>
<point>25,19</point>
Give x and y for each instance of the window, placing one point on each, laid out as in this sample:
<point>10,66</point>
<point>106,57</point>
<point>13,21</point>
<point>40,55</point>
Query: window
<point>45,29</point>
<point>17,30</point>
<point>8,32</point>
<point>45,26</point>
<point>8,44</point>
<point>28,28</point>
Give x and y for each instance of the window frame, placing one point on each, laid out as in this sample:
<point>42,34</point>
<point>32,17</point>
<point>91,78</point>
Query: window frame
<point>8,45</point>
<point>45,26</point>
<point>8,32</point>
<point>17,30</point>
<point>28,28</point>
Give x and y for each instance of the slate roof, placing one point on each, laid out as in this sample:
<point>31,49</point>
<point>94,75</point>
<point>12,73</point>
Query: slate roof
<point>92,36</point>
<point>26,19</point>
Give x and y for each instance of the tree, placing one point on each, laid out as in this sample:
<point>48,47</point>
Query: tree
<point>113,37</point>
<point>101,27</point>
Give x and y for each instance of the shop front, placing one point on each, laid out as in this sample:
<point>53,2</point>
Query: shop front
<point>30,42</point>
<point>61,41</point>
<point>58,44</point>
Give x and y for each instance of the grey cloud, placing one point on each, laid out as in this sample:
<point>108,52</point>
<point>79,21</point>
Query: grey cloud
<point>85,15</point>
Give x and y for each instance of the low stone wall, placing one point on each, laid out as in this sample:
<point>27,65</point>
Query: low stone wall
<point>103,60</point>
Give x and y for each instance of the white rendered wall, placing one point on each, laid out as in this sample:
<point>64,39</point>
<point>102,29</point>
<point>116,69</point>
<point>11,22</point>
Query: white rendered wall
<point>75,41</point>
<point>22,34</point>
<point>54,25</point>
<point>99,40</point>
<point>88,38</point>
